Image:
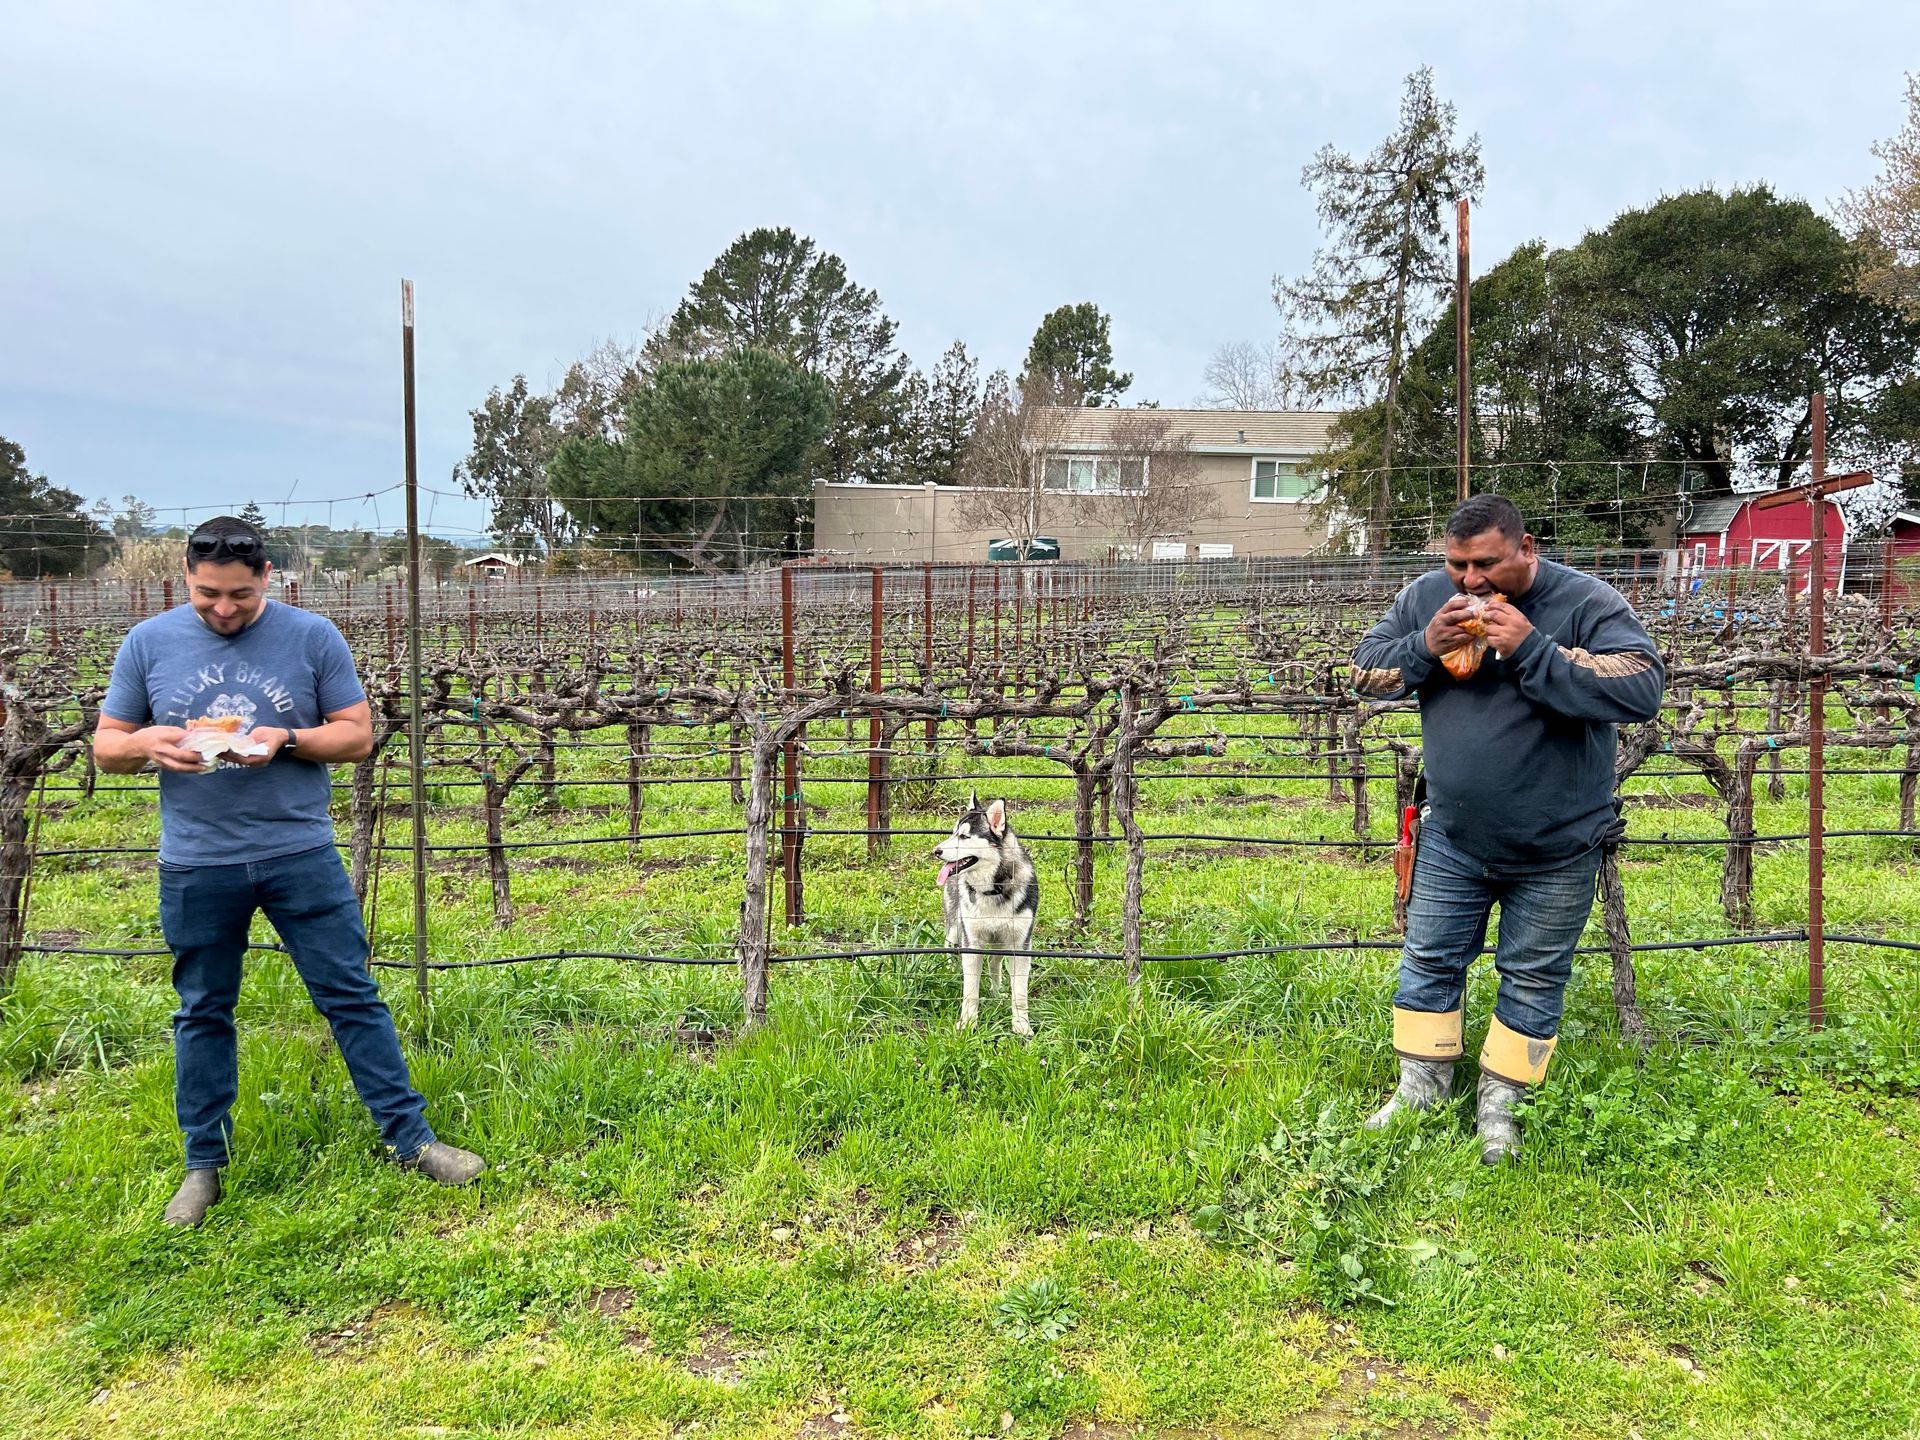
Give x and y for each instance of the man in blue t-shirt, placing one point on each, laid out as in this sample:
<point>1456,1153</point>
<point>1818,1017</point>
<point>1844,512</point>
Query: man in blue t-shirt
<point>252,833</point>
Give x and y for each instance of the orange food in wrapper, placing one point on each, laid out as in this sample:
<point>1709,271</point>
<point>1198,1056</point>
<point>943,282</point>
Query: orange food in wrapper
<point>1463,662</point>
<point>216,735</point>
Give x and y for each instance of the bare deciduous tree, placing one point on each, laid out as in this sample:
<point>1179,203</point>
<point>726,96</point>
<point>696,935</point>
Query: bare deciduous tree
<point>1241,375</point>
<point>1885,215</point>
<point>1161,497</point>
<point>1021,426</point>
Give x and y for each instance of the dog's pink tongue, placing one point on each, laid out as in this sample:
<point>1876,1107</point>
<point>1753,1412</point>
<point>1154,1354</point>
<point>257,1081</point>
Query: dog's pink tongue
<point>945,870</point>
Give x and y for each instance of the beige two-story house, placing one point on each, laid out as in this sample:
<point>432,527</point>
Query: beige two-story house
<point>1251,461</point>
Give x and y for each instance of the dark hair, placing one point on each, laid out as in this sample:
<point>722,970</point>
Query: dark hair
<point>228,537</point>
<point>1487,512</point>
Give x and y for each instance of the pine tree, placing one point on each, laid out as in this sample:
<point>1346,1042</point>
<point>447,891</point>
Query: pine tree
<point>1072,355</point>
<point>1374,283</point>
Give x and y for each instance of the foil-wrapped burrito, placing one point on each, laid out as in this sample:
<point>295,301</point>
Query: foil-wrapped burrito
<point>217,735</point>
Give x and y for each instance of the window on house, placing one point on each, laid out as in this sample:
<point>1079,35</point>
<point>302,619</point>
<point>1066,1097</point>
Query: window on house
<point>1092,475</point>
<point>1280,480</point>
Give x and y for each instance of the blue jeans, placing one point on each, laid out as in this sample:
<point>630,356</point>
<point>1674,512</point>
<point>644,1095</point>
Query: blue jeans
<point>204,912</point>
<point>1541,917</point>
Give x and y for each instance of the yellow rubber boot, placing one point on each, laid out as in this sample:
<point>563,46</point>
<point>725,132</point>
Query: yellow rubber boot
<point>1510,1063</point>
<point>1429,1044</point>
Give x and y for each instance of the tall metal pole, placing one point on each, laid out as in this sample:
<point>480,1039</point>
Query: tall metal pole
<point>1462,370</point>
<point>1817,732</point>
<point>874,659</point>
<point>416,730</point>
<point>790,763</point>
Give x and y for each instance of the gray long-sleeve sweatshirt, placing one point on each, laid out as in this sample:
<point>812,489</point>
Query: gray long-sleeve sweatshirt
<point>1519,757</point>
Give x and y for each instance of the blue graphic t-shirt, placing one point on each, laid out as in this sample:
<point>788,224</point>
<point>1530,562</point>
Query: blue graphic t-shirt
<point>289,669</point>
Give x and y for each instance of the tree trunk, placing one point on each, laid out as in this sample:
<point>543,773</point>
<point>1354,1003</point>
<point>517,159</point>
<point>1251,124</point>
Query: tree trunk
<point>495,801</point>
<point>15,868</point>
<point>1083,788</point>
<point>1356,769</point>
<point>1613,909</point>
<point>736,742</point>
<point>1736,874</point>
<point>636,792</point>
<point>753,903</point>
<point>1125,797</point>
<point>364,810</point>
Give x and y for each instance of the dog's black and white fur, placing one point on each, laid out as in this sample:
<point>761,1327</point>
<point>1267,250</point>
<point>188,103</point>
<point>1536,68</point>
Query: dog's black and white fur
<point>990,896</point>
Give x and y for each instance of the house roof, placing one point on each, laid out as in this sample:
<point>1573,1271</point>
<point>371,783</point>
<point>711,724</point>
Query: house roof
<point>1216,432</point>
<point>492,557</point>
<point>1714,514</point>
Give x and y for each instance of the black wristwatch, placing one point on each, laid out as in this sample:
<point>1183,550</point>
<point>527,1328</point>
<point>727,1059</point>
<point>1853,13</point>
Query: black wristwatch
<point>292,747</point>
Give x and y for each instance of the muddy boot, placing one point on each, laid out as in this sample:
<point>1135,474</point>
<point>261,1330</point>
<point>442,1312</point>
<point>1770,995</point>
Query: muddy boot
<point>1428,1043</point>
<point>1509,1063</point>
<point>1493,1114</point>
<point>1423,1085</point>
<point>198,1193</point>
<point>448,1164</point>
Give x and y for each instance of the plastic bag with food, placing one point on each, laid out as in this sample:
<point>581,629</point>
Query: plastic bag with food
<point>217,735</point>
<point>1463,662</point>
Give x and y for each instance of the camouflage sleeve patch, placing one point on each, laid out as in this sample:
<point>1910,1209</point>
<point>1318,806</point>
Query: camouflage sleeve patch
<point>1378,682</point>
<point>1616,666</point>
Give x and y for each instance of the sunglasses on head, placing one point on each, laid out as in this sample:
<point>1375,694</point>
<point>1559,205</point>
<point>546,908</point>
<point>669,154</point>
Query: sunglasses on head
<point>234,547</point>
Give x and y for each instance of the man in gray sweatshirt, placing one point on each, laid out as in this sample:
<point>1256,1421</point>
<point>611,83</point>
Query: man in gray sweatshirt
<point>1520,795</point>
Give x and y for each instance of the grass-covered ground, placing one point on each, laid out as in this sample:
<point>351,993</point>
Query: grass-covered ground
<point>1155,1218</point>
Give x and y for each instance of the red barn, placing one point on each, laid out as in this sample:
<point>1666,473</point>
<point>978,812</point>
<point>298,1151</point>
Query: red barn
<point>1725,531</point>
<point>1905,535</point>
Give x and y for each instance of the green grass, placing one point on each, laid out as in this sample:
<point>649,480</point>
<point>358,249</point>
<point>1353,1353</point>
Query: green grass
<point>1158,1215</point>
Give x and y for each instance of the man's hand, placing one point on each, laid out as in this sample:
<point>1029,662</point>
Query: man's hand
<point>161,744</point>
<point>1506,627</point>
<point>271,736</point>
<point>1444,635</point>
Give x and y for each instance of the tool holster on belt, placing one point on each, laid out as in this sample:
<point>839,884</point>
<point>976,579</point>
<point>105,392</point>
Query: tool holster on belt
<point>1405,851</point>
<point>1616,834</point>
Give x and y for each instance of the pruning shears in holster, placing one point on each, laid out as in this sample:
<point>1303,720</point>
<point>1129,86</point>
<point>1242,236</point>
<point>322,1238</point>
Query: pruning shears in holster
<point>1404,851</point>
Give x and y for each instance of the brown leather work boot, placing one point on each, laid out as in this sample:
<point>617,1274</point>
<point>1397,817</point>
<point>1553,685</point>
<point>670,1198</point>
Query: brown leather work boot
<point>198,1193</point>
<point>448,1164</point>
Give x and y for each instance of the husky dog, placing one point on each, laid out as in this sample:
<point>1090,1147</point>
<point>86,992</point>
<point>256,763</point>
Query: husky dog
<point>990,894</point>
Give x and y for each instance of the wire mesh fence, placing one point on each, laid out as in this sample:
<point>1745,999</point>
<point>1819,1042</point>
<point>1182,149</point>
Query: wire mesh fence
<point>815,709</point>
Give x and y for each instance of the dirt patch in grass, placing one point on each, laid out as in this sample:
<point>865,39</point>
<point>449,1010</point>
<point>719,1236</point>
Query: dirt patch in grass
<point>58,937</point>
<point>718,1356</point>
<point>825,1425</point>
<point>933,1242</point>
<point>612,1301</point>
<point>350,1340</point>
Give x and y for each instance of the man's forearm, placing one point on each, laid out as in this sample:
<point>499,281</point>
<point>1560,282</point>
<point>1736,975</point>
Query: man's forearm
<point>337,742</point>
<point>117,752</point>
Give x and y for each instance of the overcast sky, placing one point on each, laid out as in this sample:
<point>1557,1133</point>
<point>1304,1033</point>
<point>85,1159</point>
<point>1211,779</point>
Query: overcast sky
<point>208,208</point>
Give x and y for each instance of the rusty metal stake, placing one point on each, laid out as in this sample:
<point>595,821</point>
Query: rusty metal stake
<point>926,650</point>
<point>416,725</point>
<point>790,764</point>
<point>1817,734</point>
<point>873,720</point>
<point>1463,378</point>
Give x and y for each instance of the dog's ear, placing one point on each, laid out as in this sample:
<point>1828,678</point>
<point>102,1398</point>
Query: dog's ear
<point>997,817</point>
<point>973,801</point>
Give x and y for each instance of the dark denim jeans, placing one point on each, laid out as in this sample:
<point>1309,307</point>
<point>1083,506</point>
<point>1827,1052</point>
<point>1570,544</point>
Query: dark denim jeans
<point>1541,917</point>
<point>205,911</point>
